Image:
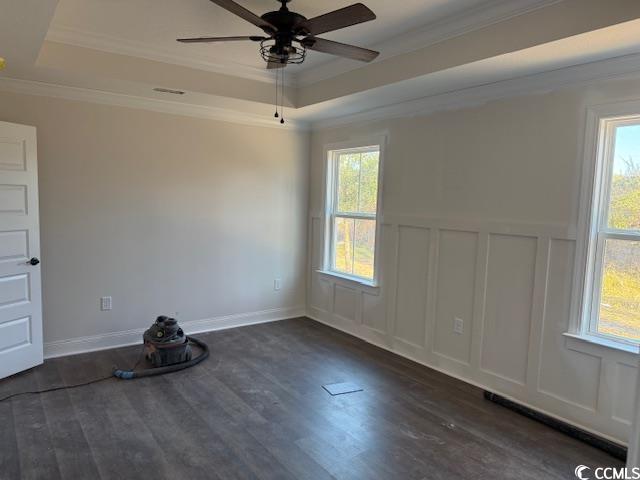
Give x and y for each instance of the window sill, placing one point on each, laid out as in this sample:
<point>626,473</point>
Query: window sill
<point>351,282</point>
<point>584,343</point>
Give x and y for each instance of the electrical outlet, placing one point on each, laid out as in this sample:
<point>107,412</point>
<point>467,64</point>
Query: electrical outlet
<point>106,304</point>
<point>458,325</point>
<point>277,284</point>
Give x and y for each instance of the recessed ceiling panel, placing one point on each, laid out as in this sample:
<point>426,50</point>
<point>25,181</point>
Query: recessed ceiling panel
<point>148,26</point>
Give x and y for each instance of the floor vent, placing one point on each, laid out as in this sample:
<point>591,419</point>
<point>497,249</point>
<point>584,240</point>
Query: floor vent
<point>168,90</point>
<point>612,448</point>
<point>342,388</point>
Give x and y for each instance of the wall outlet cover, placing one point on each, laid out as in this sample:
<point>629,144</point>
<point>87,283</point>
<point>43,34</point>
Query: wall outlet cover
<point>106,304</point>
<point>458,325</point>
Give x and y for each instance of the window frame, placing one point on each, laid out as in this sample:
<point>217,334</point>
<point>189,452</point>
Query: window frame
<point>331,155</point>
<point>593,229</point>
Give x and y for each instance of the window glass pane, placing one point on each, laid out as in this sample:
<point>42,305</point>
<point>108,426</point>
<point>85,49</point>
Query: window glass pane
<point>368,198</point>
<point>348,178</point>
<point>343,244</point>
<point>620,298</point>
<point>624,203</point>
<point>356,196</point>
<point>364,248</point>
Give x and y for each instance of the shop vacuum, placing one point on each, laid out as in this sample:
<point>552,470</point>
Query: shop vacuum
<point>168,349</point>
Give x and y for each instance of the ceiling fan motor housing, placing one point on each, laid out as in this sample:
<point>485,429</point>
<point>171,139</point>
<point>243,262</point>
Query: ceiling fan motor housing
<point>279,48</point>
<point>285,21</point>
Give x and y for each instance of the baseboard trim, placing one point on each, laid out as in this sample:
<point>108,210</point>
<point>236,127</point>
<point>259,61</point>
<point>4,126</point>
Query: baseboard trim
<point>477,384</point>
<point>93,343</point>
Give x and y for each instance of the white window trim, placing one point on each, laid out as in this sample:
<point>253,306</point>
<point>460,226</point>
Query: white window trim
<point>593,189</point>
<point>379,141</point>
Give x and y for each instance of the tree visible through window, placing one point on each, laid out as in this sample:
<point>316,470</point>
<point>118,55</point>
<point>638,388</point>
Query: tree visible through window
<point>616,237</point>
<point>353,205</point>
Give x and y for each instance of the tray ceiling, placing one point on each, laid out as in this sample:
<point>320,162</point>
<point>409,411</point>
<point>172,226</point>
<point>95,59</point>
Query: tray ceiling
<point>150,27</point>
<point>119,51</point>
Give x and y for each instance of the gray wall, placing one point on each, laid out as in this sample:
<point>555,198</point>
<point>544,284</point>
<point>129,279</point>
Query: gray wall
<point>165,214</point>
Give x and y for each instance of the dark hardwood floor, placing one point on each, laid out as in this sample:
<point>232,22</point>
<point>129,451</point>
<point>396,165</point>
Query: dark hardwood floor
<point>257,410</point>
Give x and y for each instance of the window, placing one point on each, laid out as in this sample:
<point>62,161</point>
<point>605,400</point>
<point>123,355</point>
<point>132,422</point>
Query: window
<point>612,286</point>
<point>352,211</point>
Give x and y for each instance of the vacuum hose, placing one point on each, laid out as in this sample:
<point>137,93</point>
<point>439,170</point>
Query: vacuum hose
<point>149,372</point>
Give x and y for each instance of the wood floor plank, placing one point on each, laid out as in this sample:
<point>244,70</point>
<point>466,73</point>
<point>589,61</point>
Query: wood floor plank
<point>331,457</point>
<point>334,458</point>
<point>73,455</point>
<point>485,419</point>
<point>204,398</point>
<point>121,445</point>
<point>498,452</point>
<point>33,439</point>
<point>9,456</point>
<point>256,410</point>
<point>180,433</point>
<point>285,421</point>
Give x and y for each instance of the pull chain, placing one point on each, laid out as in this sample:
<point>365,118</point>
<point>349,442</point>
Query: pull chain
<point>277,76</point>
<point>282,99</point>
<point>280,94</point>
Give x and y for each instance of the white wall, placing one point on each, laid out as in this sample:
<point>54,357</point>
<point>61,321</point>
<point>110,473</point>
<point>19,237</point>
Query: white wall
<point>479,218</point>
<point>165,214</point>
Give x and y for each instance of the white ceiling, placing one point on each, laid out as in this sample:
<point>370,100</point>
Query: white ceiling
<point>23,26</point>
<point>153,25</point>
<point>124,48</point>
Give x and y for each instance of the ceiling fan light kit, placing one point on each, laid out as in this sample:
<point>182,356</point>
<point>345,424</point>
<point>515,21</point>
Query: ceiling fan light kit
<point>272,53</point>
<point>290,35</point>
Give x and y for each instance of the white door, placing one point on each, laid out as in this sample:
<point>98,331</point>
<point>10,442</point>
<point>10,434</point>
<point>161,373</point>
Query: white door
<point>20,296</point>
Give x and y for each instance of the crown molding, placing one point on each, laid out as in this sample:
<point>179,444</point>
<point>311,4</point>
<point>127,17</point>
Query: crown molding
<point>448,27</point>
<point>30,87</point>
<point>627,66</point>
<point>451,26</point>
<point>175,56</point>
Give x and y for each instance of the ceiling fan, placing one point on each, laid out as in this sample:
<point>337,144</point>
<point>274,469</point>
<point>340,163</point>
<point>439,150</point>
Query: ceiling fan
<point>290,35</point>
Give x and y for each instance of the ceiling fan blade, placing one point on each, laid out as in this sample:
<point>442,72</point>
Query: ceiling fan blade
<point>339,49</point>
<point>345,17</point>
<point>247,15</point>
<point>271,65</point>
<point>220,39</point>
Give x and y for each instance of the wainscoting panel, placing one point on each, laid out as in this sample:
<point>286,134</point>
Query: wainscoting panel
<point>457,253</point>
<point>345,303</point>
<point>411,287</point>
<point>320,294</point>
<point>625,387</point>
<point>508,306</point>
<point>511,284</point>
<point>373,315</point>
